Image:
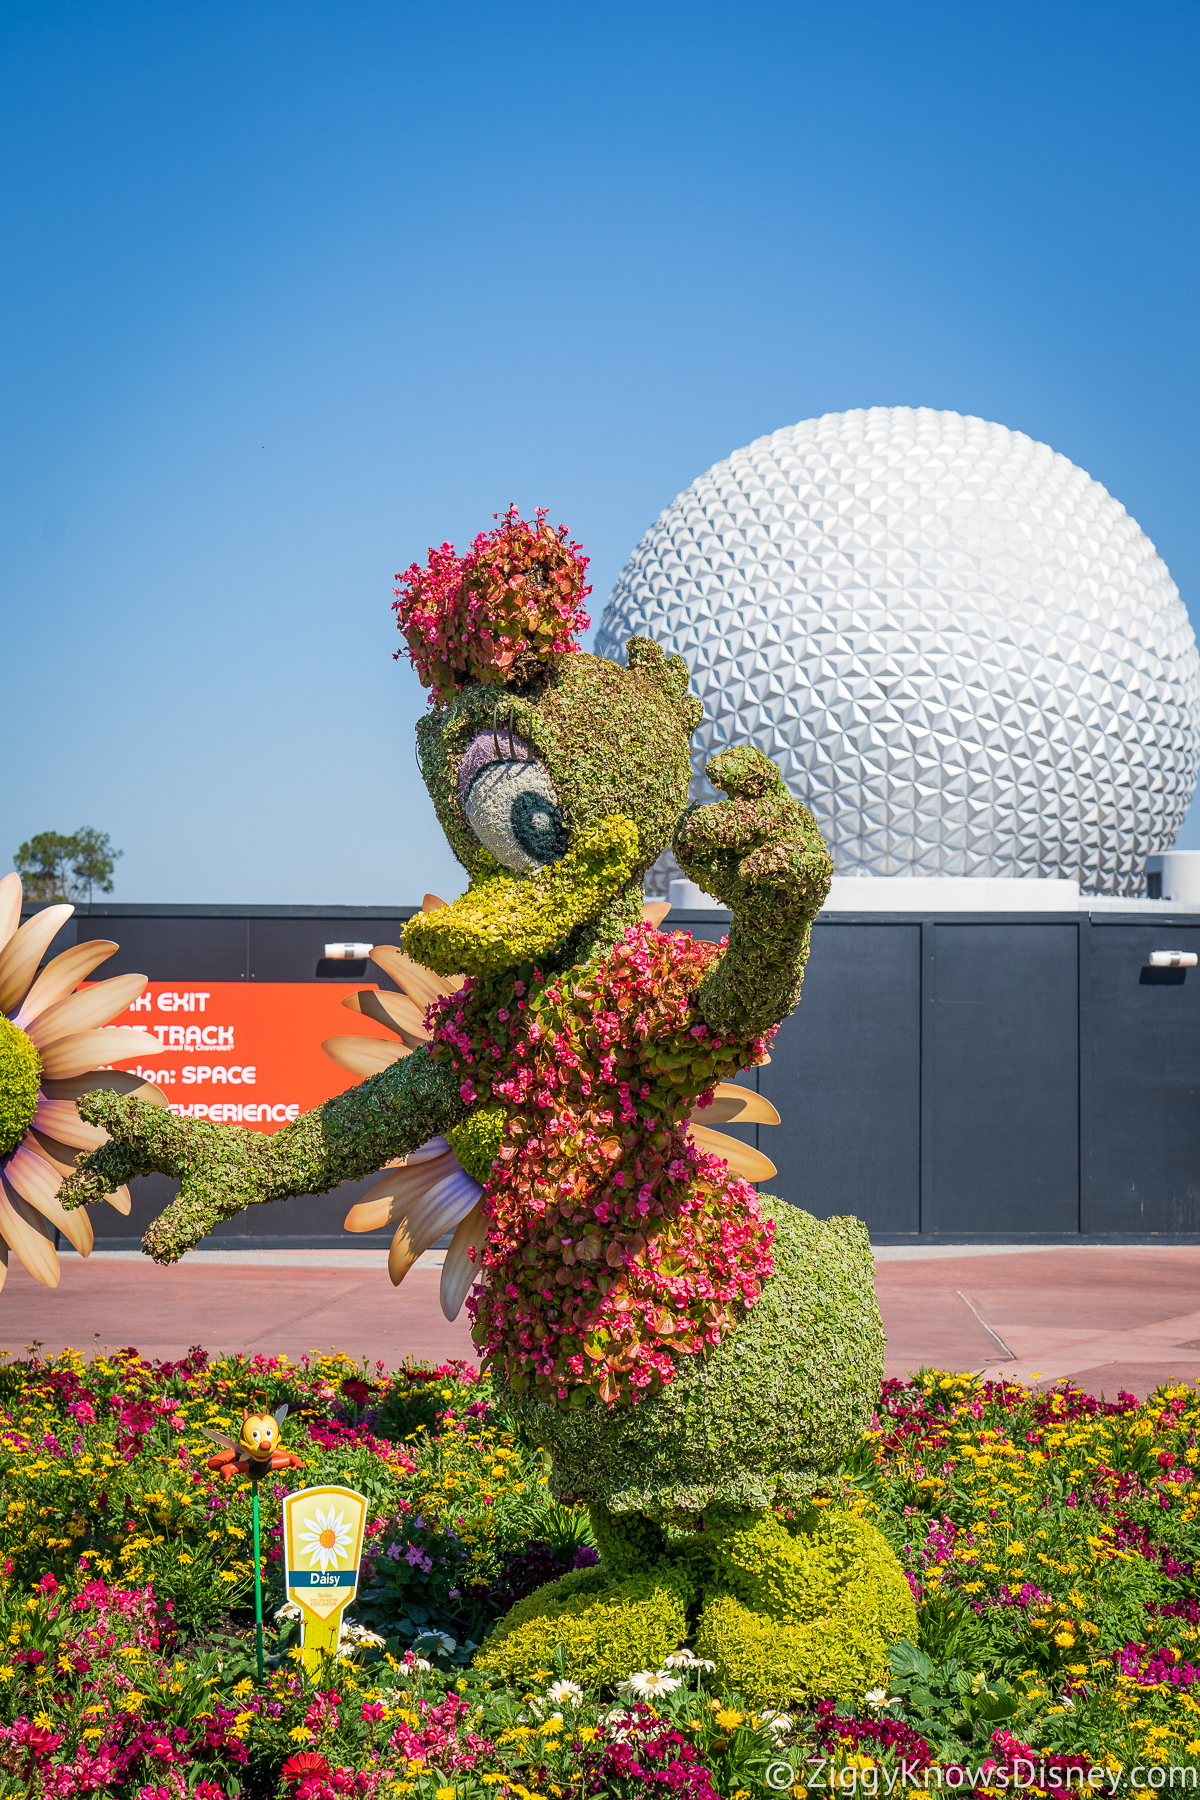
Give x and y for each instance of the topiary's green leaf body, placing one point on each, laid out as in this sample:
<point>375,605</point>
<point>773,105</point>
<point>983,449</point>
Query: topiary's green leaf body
<point>758,1420</point>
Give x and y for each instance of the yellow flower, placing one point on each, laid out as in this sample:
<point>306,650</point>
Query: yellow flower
<point>445,1793</point>
<point>6,1673</point>
<point>94,1731</point>
<point>300,1734</point>
<point>243,1687</point>
<point>587,1734</point>
<point>1066,1639</point>
<point>132,1701</point>
<point>728,1720</point>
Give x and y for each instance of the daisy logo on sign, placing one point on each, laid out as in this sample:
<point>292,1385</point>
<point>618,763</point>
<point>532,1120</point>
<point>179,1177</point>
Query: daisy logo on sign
<point>322,1543</point>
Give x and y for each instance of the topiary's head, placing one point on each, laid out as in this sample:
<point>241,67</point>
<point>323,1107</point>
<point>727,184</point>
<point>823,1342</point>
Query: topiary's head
<point>558,781</point>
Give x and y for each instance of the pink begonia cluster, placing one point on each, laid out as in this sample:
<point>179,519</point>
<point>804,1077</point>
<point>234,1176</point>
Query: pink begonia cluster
<point>517,595</point>
<point>615,1245</point>
<point>441,1736</point>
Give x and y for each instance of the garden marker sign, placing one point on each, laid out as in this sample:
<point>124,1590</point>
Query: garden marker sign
<point>322,1542</point>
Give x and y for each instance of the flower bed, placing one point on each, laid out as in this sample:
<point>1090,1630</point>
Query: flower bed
<point>1050,1542</point>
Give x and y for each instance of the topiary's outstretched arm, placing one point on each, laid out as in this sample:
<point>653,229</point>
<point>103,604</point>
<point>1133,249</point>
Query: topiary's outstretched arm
<point>760,854</point>
<point>223,1168</point>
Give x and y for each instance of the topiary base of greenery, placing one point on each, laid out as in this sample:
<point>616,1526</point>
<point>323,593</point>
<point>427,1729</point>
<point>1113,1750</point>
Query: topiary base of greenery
<point>758,1420</point>
<point>788,1616</point>
<point>807,1616</point>
<point>605,1627</point>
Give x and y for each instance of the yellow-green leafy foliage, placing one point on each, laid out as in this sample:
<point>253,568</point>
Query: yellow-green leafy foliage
<point>812,1613</point>
<point>20,1073</point>
<point>606,1628</point>
<point>476,1142</point>
<point>504,919</point>
<point>810,1616</point>
<point>771,1664</point>
<point>807,1575</point>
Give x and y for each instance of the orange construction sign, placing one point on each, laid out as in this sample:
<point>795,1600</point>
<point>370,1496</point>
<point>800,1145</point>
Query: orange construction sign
<point>242,1053</point>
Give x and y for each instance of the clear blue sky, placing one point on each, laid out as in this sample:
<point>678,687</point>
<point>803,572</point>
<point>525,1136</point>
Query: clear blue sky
<point>290,291</point>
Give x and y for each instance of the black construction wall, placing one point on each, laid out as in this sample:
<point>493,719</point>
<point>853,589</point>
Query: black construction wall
<point>982,1076</point>
<point>991,1076</point>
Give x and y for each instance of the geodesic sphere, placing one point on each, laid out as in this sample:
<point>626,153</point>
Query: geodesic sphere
<point>960,650</point>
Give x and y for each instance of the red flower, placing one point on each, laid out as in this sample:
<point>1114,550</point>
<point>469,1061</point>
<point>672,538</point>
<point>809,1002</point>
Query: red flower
<point>40,1740</point>
<point>308,1764</point>
<point>515,597</point>
<point>359,1391</point>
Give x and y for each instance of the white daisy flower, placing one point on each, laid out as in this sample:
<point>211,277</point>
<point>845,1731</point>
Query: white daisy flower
<point>359,1634</point>
<point>683,1658</point>
<point>564,1691</point>
<point>777,1723</point>
<point>651,1684</point>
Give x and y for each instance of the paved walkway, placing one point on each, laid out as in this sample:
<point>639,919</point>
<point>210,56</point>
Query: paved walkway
<point>1109,1317</point>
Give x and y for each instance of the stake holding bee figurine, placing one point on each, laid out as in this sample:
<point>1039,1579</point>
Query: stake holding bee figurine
<point>258,1449</point>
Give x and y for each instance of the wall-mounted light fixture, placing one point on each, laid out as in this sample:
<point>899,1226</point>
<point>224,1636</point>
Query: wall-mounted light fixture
<point>1171,959</point>
<point>355,952</point>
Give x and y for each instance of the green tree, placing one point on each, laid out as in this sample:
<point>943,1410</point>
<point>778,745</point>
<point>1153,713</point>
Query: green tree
<point>54,867</point>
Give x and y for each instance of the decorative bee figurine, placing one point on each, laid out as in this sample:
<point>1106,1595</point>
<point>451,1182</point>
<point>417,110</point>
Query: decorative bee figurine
<point>259,1447</point>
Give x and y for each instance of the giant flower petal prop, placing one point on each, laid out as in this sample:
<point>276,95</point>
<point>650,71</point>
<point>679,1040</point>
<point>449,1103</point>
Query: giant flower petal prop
<point>428,1193</point>
<point>52,1043</point>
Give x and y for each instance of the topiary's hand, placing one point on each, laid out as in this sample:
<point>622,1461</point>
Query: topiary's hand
<point>220,1169</point>
<point>759,851</point>
<point>224,1168</point>
<point>760,854</point>
<point>132,1148</point>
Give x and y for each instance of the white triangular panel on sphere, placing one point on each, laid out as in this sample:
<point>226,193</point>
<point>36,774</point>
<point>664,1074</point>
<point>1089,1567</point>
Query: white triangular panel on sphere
<point>960,650</point>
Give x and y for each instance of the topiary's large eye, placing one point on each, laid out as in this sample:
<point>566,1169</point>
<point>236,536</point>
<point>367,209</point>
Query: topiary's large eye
<point>514,812</point>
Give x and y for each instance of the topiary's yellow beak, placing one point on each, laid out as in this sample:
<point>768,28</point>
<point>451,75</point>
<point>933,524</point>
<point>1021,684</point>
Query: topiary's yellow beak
<point>506,919</point>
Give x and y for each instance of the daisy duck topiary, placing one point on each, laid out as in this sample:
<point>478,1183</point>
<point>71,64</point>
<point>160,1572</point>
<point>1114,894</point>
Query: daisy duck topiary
<point>695,1357</point>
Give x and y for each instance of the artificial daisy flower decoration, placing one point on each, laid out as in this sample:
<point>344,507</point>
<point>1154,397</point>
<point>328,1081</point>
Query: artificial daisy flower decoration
<point>53,1043</point>
<point>428,1192</point>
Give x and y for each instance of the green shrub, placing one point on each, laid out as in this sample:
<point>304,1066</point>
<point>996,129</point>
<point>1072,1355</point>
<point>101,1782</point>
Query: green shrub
<point>771,1664</point>
<point>606,1628</point>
